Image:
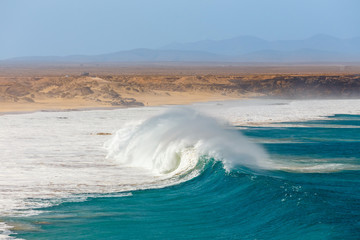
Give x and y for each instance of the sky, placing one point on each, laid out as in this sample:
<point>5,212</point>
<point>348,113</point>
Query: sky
<point>67,27</point>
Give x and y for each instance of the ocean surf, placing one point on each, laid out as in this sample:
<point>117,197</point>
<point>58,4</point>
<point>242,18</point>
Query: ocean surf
<point>271,169</point>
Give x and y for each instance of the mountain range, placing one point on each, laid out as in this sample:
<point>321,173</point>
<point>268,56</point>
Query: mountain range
<point>319,48</point>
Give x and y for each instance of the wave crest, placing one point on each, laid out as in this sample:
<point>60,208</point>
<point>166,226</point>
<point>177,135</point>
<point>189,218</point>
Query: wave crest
<point>174,142</point>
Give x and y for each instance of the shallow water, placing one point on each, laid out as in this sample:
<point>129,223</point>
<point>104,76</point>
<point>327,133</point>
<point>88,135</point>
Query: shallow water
<point>305,185</point>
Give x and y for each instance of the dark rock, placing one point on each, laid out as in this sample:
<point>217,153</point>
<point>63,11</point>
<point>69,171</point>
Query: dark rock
<point>113,94</point>
<point>17,90</point>
<point>85,90</point>
<point>27,99</point>
<point>127,102</point>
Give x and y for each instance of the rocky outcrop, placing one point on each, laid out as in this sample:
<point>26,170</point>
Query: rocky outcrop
<point>305,86</point>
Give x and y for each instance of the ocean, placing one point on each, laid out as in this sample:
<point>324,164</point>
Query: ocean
<point>250,169</point>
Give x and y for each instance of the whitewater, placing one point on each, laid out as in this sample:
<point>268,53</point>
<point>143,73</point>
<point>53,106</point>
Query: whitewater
<point>51,158</point>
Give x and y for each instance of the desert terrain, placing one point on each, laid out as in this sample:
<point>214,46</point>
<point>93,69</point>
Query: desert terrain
<point>35,87</point>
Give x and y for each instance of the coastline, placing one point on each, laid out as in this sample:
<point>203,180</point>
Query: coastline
<point>24,92</point>
<point>61,105</point>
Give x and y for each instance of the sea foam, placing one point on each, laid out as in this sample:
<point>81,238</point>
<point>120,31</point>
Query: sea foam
<point>173,142</point>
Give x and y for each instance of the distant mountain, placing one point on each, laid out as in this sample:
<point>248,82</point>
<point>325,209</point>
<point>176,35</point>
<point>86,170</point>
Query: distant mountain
<point>248,44</point>
<point>136,55</point>
<point>234,46</point>
<point>319,48</point>
<point>301,55</point>
<point>149,55</point>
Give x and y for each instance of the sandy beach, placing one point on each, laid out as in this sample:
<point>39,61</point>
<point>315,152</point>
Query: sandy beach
<point>81,104</point>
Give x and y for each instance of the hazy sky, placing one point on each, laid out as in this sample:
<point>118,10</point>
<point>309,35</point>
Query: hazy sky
<point>64,27</point>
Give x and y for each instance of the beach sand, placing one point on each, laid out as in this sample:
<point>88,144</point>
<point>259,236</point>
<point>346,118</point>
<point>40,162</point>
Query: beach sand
<point>59,104</point>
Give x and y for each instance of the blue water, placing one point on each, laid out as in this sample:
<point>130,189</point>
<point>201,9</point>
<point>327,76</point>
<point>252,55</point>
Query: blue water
<point>242,204</point>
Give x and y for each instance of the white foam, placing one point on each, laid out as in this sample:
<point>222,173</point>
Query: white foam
<point>5,232</point>
<point>46,157</point>
<point>263,112</point>
<point>318,168</point>
<point>172,143</point>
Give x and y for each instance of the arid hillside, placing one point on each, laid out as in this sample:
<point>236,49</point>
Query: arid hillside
<point>129,90</point>
<point>35,87</point>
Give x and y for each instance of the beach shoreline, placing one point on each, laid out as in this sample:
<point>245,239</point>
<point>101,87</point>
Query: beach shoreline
<point>66,106</point>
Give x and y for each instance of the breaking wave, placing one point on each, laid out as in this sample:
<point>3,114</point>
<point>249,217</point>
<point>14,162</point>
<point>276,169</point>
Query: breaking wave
<point>176,142</point>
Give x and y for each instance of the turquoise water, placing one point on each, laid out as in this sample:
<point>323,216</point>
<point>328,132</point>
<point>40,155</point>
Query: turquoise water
<point>313,193</point>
